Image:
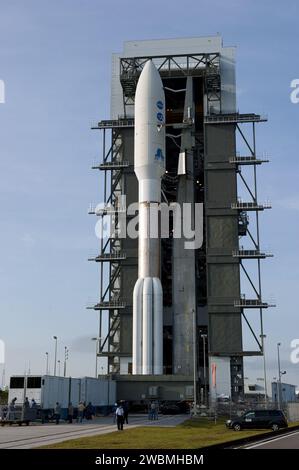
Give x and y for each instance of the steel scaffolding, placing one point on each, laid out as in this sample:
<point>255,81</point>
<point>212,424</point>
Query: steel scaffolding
<point>242,208</point>
<point>111,253</point>
<point>205,65</point>
<point>112,165</point>
<point>256,207</point>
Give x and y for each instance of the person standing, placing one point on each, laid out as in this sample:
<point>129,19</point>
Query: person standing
<point>149,408</point>
<point>33,404</point>
<point>57,412</point>
<point>120,417</point>
<point>152,412</point>
<point>70,412</point>
<point>126,412</point>
<point>26,408</point>
<point>11,410</point>
<point>156,411</point>
<point>81,409</point>
<point>114,412</point>
<point>13,402</point>
<point>33,407</point>
<point>89,411</point>
<point>26,404</point>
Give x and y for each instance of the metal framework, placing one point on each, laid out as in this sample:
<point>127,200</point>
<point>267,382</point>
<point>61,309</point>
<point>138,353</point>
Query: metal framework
<point>234,118</point>
<point>111,254</point>
<point>205,65</point>
<point>242,207</point>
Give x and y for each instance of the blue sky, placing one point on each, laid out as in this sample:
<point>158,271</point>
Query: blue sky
<point>55,61</point>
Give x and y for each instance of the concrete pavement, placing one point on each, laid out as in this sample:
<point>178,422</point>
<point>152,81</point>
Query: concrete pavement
<point>288,441</point>
<point>36,435</point>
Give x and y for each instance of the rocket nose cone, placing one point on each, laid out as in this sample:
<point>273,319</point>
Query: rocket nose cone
<point>149,76</point>
<point>149,67</point>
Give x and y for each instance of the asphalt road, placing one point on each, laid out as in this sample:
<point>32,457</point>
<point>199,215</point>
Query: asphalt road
<point>289,441</point>
<point>36,435</point>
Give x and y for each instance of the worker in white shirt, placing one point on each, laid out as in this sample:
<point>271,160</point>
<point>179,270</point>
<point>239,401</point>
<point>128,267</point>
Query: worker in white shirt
<point>119,413</point>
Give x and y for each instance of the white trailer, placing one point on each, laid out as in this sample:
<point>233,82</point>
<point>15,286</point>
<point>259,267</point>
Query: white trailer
<point>59,389</point>
<point>20,388</point>
<point>46,390</point>
<point>100,392</point>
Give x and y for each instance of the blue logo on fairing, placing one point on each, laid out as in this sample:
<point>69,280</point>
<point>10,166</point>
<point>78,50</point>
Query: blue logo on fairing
<point>160,117</point>
<point>159,154</point>
<point>160,104</point>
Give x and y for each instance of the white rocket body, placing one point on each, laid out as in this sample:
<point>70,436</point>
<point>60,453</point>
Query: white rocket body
<point>149,165</point>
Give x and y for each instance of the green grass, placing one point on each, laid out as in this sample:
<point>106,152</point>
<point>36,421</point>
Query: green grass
<point>193,433</point>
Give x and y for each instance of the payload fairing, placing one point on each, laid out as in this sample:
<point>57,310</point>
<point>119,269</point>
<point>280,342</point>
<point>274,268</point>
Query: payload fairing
<point>149,166</point>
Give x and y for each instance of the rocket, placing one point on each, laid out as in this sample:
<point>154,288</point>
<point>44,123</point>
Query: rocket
<point>149,167</point>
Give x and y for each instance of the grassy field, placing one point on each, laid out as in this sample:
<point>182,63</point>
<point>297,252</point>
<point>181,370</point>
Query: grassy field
<point>191,434</point>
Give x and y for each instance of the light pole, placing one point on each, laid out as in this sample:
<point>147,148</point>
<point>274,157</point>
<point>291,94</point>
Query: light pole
<point>204,337</point>
<point>275,379</point>
<point>47,363</point>
<point>58,367</point>
<point>66,356</point>
<point>97,341</point>
<point>194,363</point>
<point>279,377</point>
<point>55,356</point>
<point>263,337</point>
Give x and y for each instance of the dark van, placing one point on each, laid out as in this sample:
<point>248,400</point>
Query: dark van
<point>259,419</point>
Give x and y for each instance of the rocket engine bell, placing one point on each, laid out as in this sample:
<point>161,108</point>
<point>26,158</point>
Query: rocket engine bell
<point>149,166</point>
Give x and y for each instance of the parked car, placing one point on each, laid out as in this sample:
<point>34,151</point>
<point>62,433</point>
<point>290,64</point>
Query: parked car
<point>259,419</point>
<point>174,408</point>
<point>170,408</point>
<point>184,406</point>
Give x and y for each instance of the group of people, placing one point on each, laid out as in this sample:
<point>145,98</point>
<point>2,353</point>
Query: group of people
<point>12,408</point>
<point>84,412</point>
<point>120,412</point>
<point>27,404</point>
<point>153,411</point>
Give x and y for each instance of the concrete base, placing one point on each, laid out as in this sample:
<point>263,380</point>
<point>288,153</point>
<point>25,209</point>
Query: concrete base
<point>154,387</point>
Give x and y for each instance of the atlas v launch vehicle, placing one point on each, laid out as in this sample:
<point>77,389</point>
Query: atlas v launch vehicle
<point>149,165</point>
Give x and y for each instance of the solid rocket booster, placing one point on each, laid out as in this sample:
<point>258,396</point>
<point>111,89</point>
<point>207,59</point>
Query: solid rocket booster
<point>149,166</point>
